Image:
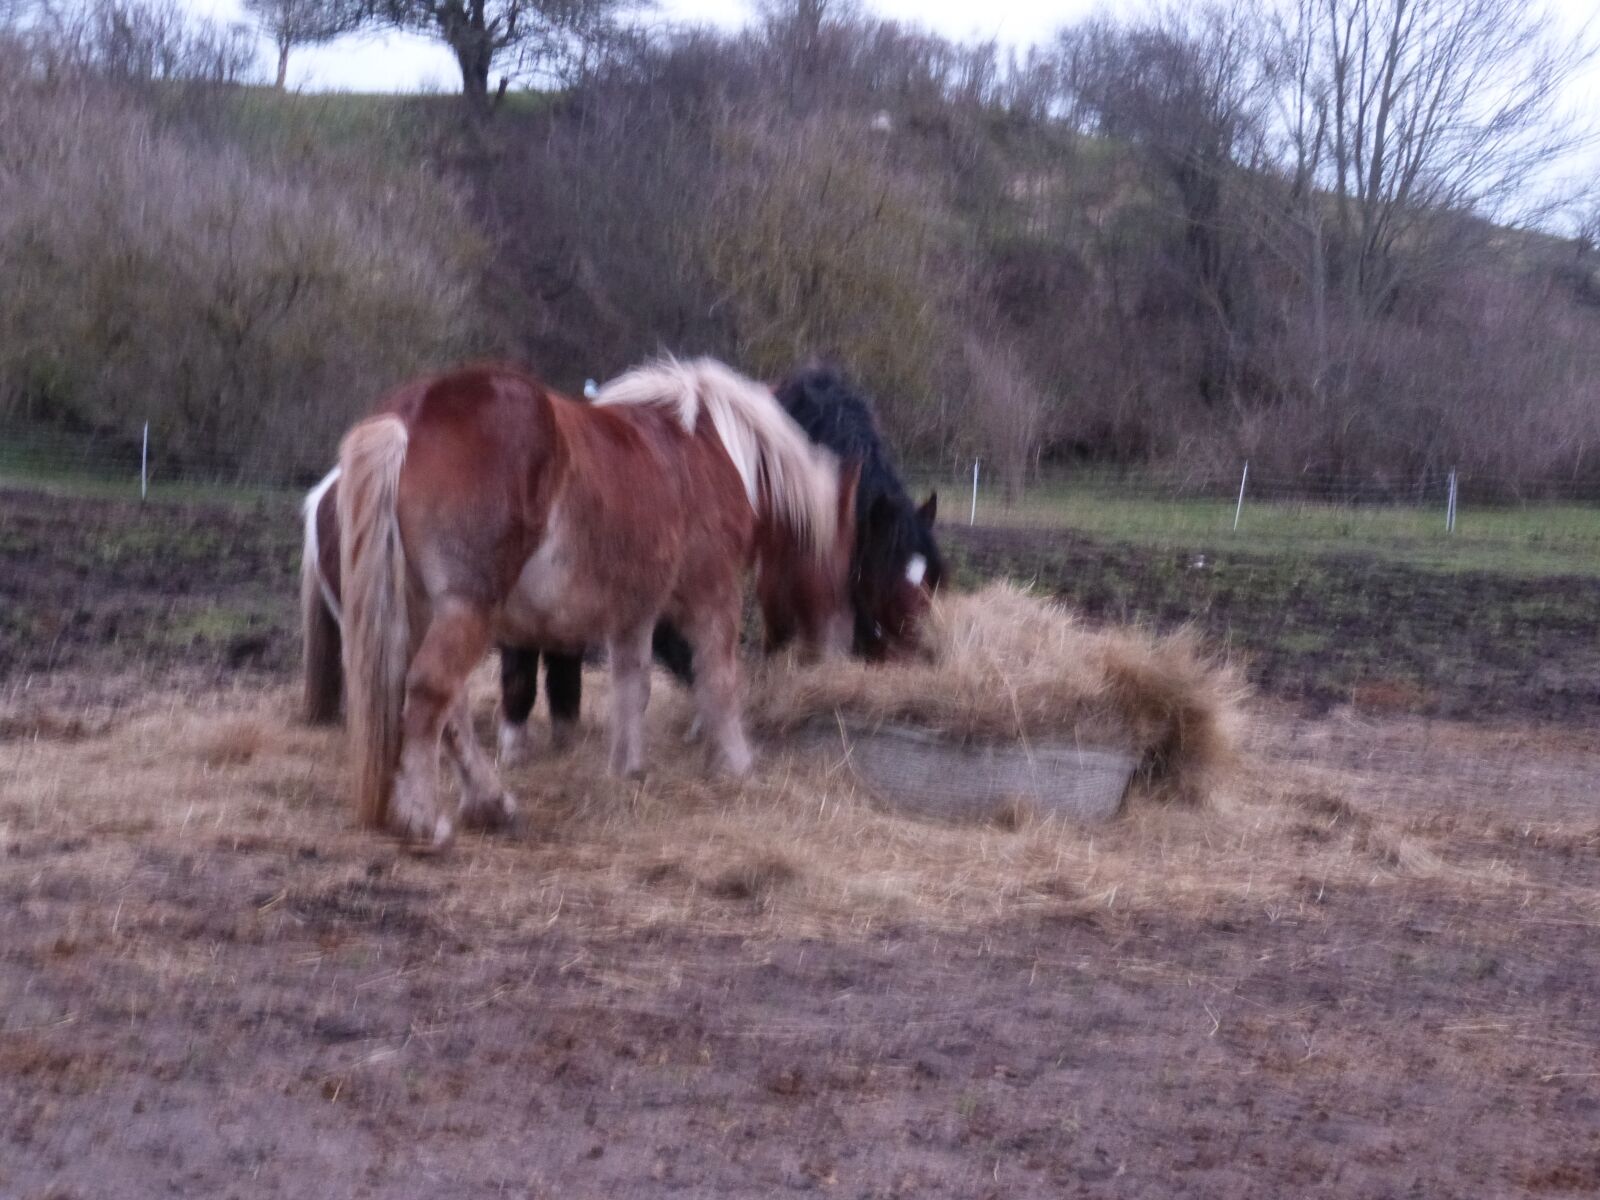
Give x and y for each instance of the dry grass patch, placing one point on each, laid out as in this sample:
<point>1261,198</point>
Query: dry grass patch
<point>235,744</point>
<point>233,785</point>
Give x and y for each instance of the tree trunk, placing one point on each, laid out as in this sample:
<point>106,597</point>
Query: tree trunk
<point>283,65</point>
<point>474,60</point>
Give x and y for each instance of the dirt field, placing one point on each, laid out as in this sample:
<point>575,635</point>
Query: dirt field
<point>1367,970</point>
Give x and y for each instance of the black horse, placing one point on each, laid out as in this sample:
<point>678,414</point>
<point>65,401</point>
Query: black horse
<point>894,566</point>
<point>896,560</point>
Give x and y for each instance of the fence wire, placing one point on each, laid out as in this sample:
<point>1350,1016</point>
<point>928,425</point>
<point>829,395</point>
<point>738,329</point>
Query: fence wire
<point>1052,497</point>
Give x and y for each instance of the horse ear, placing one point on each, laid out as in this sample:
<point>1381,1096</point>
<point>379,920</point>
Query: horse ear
<point>929,510</point>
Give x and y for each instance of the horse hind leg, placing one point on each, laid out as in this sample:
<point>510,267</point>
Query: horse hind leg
<point>485,804</point>
<point>322,666</point>
<point>630,694</point>
<point>519,684</point>
<point>455,639</point>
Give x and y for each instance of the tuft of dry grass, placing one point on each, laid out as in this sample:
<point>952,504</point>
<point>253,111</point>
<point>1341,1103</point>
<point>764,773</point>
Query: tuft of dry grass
<point>234,744</point>
<point>1003,664</point>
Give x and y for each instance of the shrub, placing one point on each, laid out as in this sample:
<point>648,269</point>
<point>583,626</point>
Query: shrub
<point>248,311</point>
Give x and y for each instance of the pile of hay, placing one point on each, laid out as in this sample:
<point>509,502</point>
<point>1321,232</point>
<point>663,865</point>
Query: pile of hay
<point>1004,665</point>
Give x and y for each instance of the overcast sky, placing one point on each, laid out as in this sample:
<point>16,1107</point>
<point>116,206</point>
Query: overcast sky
<point>399,63</point>
<point>407,63</point>
<point>403,63</point>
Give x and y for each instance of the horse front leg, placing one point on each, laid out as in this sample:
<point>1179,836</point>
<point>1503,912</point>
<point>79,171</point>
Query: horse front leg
<point>630,694</point>
<point>454,641</point>
<point>563,688</point>
<point>519,683</point>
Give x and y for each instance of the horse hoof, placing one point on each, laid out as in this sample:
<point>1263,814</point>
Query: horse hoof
<point>496,814</point>
<point>443,833</point>
<point>633,771</point>
<point>422,841</point>
<point>563,734</point>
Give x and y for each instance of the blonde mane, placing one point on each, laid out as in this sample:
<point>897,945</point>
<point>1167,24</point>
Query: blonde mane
<point>785,475</point>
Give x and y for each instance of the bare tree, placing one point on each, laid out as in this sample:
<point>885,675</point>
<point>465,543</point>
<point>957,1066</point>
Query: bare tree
<point>1403,111</point>
<point>535,35</point>
<point>817,243</point>
<point>140,42</point>
<point>1186,90</point>
<point>806,37</point>
<point>291,23</point>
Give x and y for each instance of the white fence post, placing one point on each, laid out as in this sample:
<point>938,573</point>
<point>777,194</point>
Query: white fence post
<point>1239,508</point>
<point>973,519</point>
<point>1450,505</point>
<point>144,463</point>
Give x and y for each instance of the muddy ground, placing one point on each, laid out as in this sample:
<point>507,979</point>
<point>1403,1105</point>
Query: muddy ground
<point>1327,630</point>
<point>1368,973</point>
<point>99,586</point>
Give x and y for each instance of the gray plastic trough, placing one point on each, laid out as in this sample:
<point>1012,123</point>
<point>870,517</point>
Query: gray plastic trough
<point>927,773</point>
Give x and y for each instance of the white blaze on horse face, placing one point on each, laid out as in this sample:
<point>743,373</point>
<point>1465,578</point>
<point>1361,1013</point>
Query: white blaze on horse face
<point>916,569</point>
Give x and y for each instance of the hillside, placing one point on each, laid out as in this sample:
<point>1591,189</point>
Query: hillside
<point>1060,261</point>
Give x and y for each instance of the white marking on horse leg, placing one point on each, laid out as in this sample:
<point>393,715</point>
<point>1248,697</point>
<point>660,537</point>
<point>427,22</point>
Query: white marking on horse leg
<point>737,760</point>
<point>413,807</point>
<point>839,627</point>
<point>630,694</point>
<point>515,744</point>
<point>485,804</point>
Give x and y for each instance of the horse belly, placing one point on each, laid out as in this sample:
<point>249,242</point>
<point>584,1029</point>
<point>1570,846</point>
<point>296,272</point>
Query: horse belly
<point>566,597</point>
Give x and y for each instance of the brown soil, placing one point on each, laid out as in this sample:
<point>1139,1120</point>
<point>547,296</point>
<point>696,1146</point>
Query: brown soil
<point>97,586</point>
<point>1366,971</point>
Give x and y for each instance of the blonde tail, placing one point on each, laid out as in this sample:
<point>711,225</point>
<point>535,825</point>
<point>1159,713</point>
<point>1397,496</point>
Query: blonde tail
<point>377,634</point>
<point>319,621</point>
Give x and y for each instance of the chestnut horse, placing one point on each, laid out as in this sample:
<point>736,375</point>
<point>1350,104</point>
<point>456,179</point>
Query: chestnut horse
<point>894,567</point>
<point>816,605</point>
<point>815,602</point>
<point>479,506</point>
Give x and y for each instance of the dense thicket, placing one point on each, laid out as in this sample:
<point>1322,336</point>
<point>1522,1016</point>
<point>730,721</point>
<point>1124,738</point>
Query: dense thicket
<point>1303,233</point>
<point>246,306</point>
